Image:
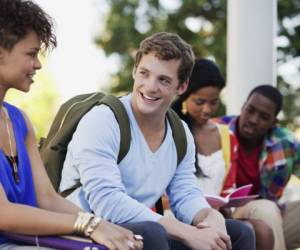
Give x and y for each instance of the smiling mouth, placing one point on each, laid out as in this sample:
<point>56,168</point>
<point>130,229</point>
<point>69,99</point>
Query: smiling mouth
<point>148,98</point>
<point>30,76</point>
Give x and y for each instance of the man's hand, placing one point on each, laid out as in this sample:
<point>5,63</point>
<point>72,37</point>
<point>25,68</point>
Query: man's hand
<point>200,237</point>
<point>212,218</point>
<point>207,239</point>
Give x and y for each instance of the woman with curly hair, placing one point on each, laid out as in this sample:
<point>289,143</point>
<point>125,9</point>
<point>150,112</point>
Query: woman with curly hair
<point>28,203</point>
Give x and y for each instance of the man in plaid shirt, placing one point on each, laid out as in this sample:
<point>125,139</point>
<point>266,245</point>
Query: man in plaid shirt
<point>267,157</point>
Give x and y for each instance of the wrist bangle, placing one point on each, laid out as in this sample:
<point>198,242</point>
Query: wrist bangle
<point>82,221</point>
<point>92,226</point>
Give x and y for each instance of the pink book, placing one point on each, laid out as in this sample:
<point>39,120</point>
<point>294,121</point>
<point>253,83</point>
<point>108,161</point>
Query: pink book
<point>236,198</point>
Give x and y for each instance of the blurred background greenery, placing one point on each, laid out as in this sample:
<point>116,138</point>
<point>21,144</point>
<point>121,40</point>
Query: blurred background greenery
<point>202,23</point>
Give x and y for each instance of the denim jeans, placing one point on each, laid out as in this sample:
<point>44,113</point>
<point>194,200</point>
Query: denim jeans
<point>242,237</point>
<point>155,236</point>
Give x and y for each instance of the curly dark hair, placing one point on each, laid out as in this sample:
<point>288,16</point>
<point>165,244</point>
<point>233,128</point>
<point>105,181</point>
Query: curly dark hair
<point>168,46</point>
<point>18,18</point>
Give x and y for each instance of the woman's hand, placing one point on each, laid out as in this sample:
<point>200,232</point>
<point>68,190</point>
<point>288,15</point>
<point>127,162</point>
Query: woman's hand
<point>116,238</point>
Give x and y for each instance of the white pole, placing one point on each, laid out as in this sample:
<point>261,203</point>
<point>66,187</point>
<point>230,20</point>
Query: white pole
<point>251,51</point>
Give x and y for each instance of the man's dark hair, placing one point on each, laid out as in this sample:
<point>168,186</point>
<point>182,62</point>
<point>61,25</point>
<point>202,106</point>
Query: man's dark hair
<point>271,93</point>
<point>18,18</point>
<point>168,46</point>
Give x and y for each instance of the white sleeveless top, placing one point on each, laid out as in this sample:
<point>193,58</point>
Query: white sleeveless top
<point>213,166</point>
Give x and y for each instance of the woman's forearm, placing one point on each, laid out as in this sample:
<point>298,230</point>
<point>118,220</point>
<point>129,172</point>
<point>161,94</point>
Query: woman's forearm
<point>30,220</point>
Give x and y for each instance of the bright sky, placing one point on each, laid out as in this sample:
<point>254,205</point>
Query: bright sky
<point>76,65</point>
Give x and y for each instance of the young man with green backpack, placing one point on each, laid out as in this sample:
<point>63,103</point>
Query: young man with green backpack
<point>126,191</point>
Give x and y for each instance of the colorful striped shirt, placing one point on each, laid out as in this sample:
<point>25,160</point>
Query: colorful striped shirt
<point>278,160</point>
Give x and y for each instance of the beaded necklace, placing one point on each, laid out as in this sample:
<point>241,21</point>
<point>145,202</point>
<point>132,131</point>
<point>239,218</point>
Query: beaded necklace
<point>11,157</point>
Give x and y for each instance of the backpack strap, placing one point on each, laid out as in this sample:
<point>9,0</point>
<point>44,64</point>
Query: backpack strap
<point>120,113</point>
<point>178,133</point>
<point>179,137</point>
<point>125,134</point>
<point>122,118</point>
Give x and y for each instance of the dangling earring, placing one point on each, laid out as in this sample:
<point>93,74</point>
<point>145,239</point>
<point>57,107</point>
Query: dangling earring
<point>183,108</point>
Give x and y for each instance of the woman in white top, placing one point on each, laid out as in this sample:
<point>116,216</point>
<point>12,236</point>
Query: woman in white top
<point>216,145</point>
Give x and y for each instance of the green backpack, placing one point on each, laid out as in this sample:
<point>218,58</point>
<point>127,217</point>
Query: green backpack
<point>53,148</point>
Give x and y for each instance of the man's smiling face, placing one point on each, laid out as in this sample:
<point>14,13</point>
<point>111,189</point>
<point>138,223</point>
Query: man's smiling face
<point>155,85</point>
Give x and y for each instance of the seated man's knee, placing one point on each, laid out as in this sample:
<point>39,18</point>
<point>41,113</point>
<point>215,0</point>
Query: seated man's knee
<point>154,230</point>
<point>267,211</point>
<point>264,234</point>
<point>155,236</point>
<point>242,236</point>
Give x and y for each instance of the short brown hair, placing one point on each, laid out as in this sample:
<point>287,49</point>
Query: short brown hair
<point>18,18</point>
<point>168,46</point>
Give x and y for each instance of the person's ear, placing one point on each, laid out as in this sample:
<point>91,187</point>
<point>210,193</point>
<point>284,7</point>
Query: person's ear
<point>182,88</point>
<point>133,72</point>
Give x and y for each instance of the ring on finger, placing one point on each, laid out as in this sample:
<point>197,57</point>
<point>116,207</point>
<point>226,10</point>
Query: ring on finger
<point>138,237</point>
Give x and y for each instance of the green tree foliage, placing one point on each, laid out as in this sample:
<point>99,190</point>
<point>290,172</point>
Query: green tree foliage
<point>289,49</point>
<point>289,29</point>
<point>202,23</point>
<point>290,115</point>
<point>128,22</point>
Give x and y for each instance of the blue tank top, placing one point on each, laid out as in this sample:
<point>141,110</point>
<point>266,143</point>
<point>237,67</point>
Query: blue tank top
<point>22,192</point>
